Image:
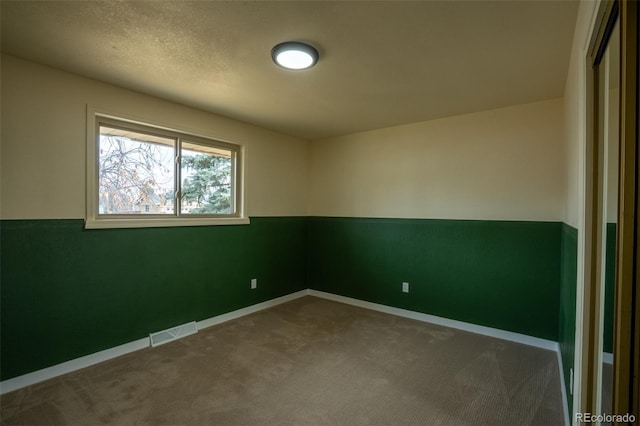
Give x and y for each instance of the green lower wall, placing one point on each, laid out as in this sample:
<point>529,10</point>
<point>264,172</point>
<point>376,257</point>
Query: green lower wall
<point>68,292</point>
<point>499,274</point>
<point>567,307</point>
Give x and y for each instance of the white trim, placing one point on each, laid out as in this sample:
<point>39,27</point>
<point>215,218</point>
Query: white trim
<point>587,11</point>
<point>250,309</point>
<point>607,358</point>
<point>92,219</point>
<point>107,354</point>
<point>72,365</point>
<point>460,325</point>
<point>565,400</point>
<point>104,223</point>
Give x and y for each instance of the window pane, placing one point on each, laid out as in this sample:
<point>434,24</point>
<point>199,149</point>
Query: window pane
<point>135,173</point>
<point>206,174</point>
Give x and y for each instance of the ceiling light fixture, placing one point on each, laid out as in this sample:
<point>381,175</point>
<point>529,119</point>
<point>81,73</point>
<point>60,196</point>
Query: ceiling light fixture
<point>294,55</point>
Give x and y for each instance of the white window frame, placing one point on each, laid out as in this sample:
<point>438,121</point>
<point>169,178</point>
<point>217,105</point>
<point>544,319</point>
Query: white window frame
<point>94,220</point>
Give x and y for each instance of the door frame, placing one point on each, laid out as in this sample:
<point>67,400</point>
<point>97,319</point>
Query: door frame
<point>626,365</point>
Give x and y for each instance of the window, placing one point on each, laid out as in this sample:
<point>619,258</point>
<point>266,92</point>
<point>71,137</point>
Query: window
<point>140,175</point>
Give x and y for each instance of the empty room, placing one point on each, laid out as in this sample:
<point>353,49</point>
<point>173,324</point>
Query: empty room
<point>332,212</point>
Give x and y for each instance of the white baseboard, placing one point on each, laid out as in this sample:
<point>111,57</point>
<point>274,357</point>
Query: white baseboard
<point>250,309</point>
<point>460,325</point>
<point>72,365</point>
<point>95,358</point>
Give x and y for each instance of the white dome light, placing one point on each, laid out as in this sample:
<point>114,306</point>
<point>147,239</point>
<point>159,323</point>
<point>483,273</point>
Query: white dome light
<point>294,55</point>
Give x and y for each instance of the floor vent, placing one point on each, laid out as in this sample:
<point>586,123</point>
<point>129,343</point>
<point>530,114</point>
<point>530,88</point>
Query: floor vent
<point>171,334</point>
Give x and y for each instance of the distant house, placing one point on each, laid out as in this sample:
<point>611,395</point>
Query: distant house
<point>153,204</point>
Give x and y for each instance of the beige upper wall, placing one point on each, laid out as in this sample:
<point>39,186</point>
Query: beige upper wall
<point>500,164</point>
<point>504,164</point>
<point>43,147</point>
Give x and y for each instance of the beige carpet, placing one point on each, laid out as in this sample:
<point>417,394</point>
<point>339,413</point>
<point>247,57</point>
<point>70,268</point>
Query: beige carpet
<point>307,362</point>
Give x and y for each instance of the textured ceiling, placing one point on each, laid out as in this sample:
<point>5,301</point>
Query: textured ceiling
<point>382,63</point>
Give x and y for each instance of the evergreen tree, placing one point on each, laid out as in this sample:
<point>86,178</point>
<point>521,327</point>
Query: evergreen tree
<point>206,183</point>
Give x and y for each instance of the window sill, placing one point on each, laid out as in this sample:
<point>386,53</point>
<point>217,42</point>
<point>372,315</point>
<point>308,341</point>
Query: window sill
<point>107,223</point>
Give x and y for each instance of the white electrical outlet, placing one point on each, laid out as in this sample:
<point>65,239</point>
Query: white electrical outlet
<point>254,283</point>
<point>405,287</point>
